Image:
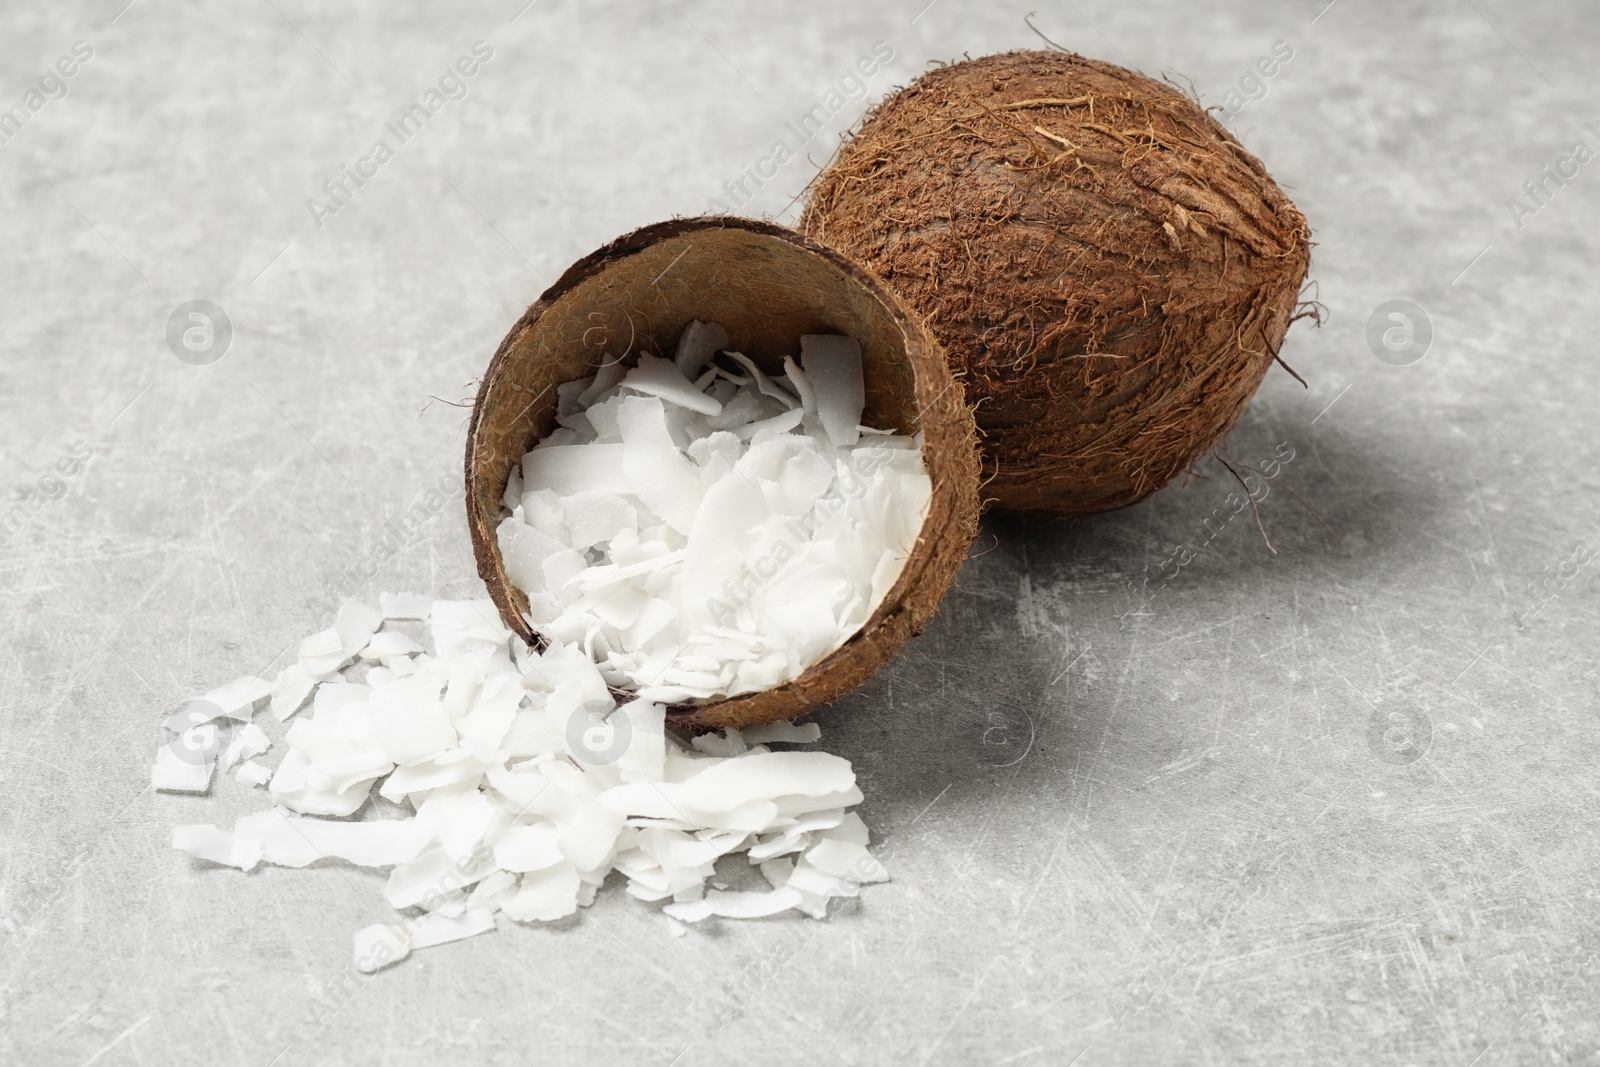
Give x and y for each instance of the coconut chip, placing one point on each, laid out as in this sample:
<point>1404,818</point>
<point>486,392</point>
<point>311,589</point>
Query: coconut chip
<point>404,605</point>
<point>238,699</point>
<point>248,743</point>
<point>173,773</point>
<point>290,691</point>
<point>252,773</point>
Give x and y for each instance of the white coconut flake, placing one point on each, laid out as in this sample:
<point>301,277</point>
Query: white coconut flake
<point>730,742</point>
<point>766,428</point>
<point>379,946</point>
<point>811,881</point>
<point>429,880</point>
<point>659,475</point>
<point>386,643</point>
<point>534,847</point>
<point>249,742</point>
<point>660,378</point>
<point>845,859</point>
<point>697,344</point>
<point>777,871</point>
<point>290,691</point>
<point>764,385</point>
<point>238,699</point>
<point>299,786</point>
<point>545,896</point>
<point>206,842</point>
<point>735,905</point>
<point>773,846</point>
<point>405,605</point>
<point>801,385</point>
<point>605,378</point>
<point>569,469</point>
<point>172,773</point>
<point>291,841</point>
<point>319,645</point>
<point>431,930</point>
<point>798,777</point>
<point>323,653</point>
<point>252,773</point>
<point>689,912</point>
<point>832,365</point>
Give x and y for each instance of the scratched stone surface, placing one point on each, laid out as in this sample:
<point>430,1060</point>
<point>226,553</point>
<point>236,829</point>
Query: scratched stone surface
<point>1150,790</point>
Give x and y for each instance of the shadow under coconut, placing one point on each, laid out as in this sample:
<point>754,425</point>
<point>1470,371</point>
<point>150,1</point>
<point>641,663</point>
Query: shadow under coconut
<point>1339,503</point>
<point>959,712</point>
<point>1012,692</point>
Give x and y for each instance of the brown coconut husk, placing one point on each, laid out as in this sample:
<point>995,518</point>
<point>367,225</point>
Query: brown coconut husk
<point>767,286</point>
<point>1110,270</point>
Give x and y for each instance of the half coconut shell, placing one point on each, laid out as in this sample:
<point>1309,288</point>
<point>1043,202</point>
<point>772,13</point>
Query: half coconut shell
<point>767,286</point>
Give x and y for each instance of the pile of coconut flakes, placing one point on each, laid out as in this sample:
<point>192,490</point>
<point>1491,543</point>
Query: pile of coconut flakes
<point>517,784</point>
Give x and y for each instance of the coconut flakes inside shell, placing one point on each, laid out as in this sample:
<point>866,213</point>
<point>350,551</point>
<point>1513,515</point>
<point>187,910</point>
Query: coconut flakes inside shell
<point>699,342</point>
<point>832,366</point>
<point>754,534</point>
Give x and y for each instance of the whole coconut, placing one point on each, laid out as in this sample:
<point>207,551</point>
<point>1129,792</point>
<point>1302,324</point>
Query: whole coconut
<point>1108,268</point>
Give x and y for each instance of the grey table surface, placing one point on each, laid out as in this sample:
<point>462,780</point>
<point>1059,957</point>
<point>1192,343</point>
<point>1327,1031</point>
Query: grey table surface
<point>1329,803</point>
